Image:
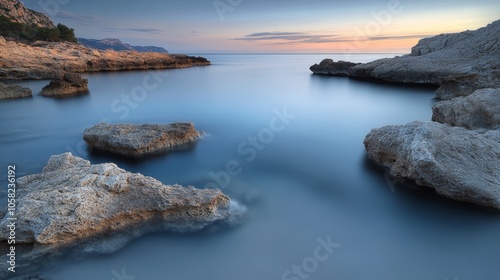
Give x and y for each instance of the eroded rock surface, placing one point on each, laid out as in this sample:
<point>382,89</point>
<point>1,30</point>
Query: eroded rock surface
<point>478,110</point>
<point>139,140</point>
<point>72,200</point>
<point>458,163</point>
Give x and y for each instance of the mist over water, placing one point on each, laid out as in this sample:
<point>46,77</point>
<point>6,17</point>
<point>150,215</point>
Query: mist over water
<point>295,144</point>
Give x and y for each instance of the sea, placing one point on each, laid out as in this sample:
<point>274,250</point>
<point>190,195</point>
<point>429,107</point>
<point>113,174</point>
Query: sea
<point>284,144</point>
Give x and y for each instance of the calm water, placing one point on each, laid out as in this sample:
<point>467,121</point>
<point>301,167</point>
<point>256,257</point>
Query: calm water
<point>306,178</point>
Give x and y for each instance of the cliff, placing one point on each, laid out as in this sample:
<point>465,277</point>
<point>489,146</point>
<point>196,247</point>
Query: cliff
<point>15,11</point>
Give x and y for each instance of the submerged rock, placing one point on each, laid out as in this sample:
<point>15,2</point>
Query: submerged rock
<point>458,163</point>
<point>13,91</point>
<point>478,110</point>
<point>68,84</point>
<point>139,140</point>
<point>73,200</point>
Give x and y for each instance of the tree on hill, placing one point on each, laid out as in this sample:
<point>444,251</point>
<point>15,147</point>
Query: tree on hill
<point>66,33</point>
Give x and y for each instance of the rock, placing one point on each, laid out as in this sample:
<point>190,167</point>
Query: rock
<point>459,63</point>
<point>67,85</point>
<point>73,200</point>
<point>140,140</point>
<point>459,164</point>
<point>478,110</point>
<point>13,91</point>
<point>329,67</point>
<point>46,60</point>
<point>17,12</point>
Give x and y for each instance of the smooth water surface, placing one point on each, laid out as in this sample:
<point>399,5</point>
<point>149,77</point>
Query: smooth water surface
<point>297,140</point>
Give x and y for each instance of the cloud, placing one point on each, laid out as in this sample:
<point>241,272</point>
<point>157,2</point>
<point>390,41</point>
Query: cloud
<point>277,37</point>
<point>397,37</point>
<point>286,36</point>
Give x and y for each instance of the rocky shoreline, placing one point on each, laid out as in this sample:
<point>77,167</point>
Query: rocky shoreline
<point>458,152</point>
<point>458,63</point>
<point>48,60</point>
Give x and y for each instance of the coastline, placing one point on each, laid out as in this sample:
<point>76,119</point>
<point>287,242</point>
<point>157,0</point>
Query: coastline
<point>47,60</point>
<point>457,153</point>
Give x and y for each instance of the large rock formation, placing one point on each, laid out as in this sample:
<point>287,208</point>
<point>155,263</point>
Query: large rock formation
<point>73,200</point>
<point>17,12</point>
<point>13,91</point>
<point>140,140</point>
<point>458,163</point>
<point>478,110</point>
<point>459,63</point>
<point>67,85</point>
<point>47,60</point>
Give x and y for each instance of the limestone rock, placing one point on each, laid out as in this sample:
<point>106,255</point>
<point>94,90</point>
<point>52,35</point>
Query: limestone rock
<point>458,163</point>
<point>140,140</point>
<point>478,110</point>
<point>73,200</point>
<point>13,91</point>
<point>68,84</point>
<point>459,63</point>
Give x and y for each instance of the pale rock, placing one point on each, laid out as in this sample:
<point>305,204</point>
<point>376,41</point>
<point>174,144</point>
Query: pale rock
<point>459,164</point>
<point>73,200</point>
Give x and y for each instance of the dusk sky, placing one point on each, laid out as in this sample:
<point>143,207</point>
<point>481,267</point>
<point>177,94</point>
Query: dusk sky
<point>277,26</point>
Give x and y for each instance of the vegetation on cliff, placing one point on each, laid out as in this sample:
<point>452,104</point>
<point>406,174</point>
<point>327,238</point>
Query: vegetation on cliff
<point>32,32</point>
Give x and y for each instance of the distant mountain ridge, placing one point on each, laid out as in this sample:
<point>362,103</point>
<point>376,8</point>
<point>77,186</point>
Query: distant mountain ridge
<point>17,12</point>
<point>117,45</point>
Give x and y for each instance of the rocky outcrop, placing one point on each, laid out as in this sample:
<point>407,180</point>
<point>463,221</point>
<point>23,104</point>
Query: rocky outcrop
<point>13,91</point>
<point>458,163</point>
<point>47,60</point>
<point>17,12</point>
<point>73,200</point>
<point>478,110</point>
<point>329,67</point>
<point>459,63</point>
<point>67,85</point>
<point>140,140</point>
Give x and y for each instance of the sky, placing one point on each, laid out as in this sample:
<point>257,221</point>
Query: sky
<point>270,26</point>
